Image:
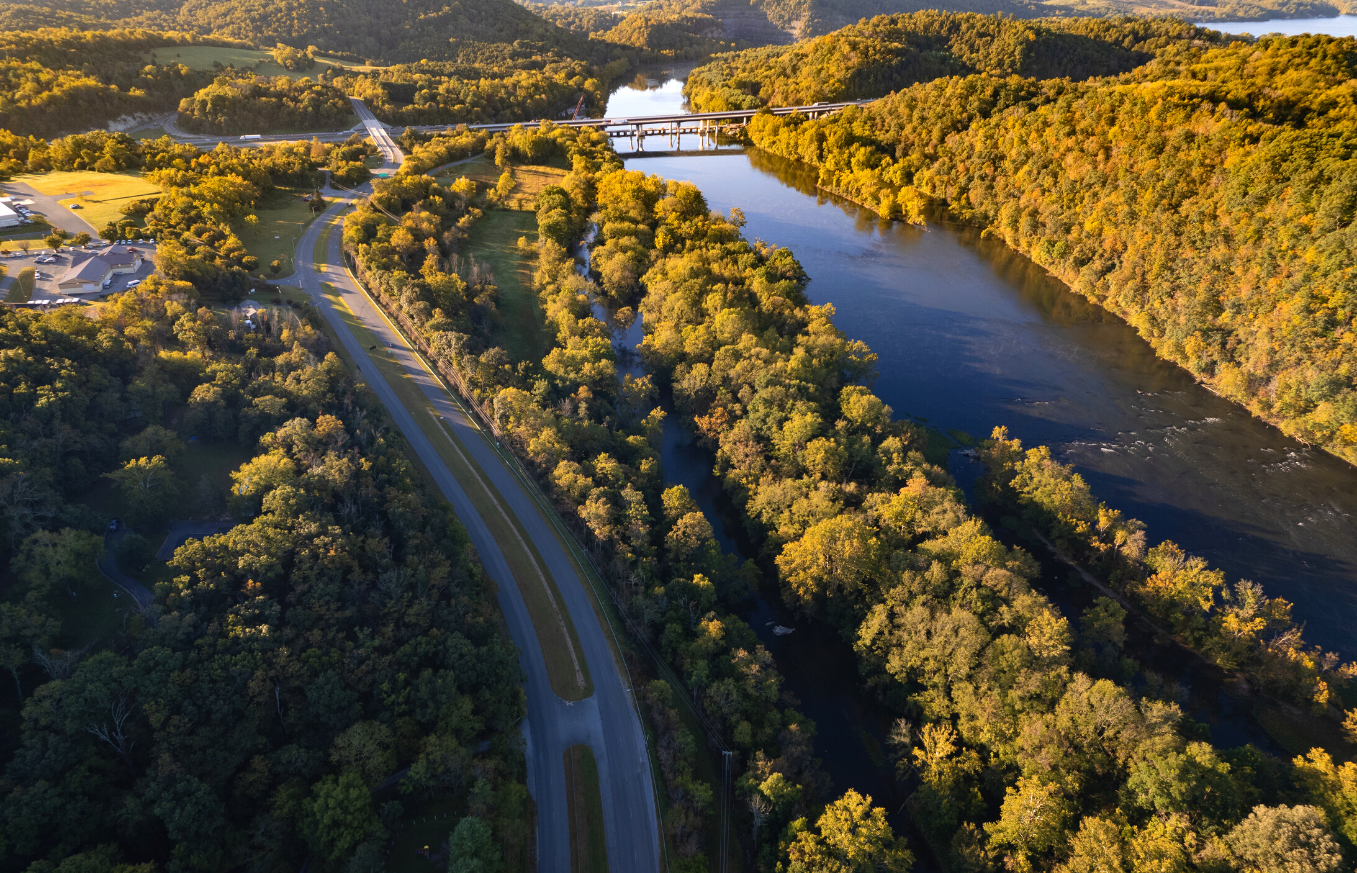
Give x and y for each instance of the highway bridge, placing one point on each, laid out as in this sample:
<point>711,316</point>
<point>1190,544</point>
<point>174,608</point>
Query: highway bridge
<point>635,127</point>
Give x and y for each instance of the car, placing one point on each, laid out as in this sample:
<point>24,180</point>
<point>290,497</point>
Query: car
<point>76,206</point>
<point>130,249</point>
<point>113,525</point>
<point>45,259</point>
<point>108,283</point>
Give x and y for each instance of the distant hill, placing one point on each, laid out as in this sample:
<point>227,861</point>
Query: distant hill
<point>890,52</point>
<point>445,30</point>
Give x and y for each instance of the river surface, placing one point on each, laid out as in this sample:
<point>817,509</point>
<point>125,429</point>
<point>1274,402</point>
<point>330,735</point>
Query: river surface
<point>1339,25</point>
<point>971,335</point>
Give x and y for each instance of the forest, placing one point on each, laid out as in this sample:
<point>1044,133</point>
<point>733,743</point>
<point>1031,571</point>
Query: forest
<point>891,52</point>
<point>252,714</point>
<point>245,103</point>
<point>57,81</point>
<point>1027,740</point>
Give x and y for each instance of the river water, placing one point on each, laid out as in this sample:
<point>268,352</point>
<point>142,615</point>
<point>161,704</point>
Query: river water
<point>971,335</point>
<point>1339,25</point>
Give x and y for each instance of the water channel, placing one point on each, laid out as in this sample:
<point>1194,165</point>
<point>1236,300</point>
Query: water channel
<point>971,335</point>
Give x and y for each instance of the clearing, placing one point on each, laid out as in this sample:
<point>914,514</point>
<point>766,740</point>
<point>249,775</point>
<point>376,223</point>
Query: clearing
<point>283,218</point>
<point>22,289</point>
<point>205,57</point>
<point>100,195</point>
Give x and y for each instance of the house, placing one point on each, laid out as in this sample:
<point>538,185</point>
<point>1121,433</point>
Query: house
<point>89,275</point>
<point>8,217</point>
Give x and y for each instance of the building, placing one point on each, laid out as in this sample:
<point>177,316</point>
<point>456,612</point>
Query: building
<point>8,217</point>
<point>89,275</point>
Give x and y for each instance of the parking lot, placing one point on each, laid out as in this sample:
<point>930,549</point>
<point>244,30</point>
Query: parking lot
<point>51,266</point>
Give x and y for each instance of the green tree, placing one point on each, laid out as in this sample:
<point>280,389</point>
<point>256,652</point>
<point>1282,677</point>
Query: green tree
<point>1031,821</point>
<point>853,837</point>
<point>149,488</point>
<point>340,815</point>
<point>1285,839</point>
<point>472,848</point>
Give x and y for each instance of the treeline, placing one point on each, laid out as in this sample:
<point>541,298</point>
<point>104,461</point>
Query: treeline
<point>288,668</point>
<point>457,93</point>
<point>56,81</point>
<point>891,52</point>
<point>584,20</point>
<point>1216,220</point>
<point>238,103</point>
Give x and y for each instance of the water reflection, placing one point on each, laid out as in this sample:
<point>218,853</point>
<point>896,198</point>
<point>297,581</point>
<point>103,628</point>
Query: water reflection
<point>972,335</point>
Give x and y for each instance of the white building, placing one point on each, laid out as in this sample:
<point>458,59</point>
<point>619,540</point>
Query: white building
<point>8,217</point>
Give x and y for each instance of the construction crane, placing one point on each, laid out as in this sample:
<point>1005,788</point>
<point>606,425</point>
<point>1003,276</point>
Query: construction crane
<point>575,116</point>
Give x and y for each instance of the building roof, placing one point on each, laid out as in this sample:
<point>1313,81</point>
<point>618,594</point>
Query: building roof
<point>95,269</point>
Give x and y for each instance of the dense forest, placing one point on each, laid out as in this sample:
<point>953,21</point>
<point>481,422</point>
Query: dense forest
<point>890,52</point>
<point>246,103</point>
<point>55,81</point>
<point>338,633</point>
<point>1026,738</point>
<point>1215,219</point>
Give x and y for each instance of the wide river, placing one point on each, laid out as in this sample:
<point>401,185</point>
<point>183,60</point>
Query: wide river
<point>971,335</point>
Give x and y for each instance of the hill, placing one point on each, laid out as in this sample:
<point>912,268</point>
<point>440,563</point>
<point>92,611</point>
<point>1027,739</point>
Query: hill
<point>890,52</point>
<point>390,32</point>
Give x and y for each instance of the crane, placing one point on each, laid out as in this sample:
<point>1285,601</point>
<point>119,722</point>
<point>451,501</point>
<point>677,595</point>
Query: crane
<point>574,116</point>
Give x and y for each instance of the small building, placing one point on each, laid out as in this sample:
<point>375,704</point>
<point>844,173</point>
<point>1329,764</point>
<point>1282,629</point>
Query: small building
<point>89,275</point>
<point>8,217</point>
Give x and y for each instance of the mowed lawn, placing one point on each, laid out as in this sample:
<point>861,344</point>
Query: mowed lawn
<point>100,195</point>
<point>494,242</point>
<point>283,217</point>
<point>203,57</point>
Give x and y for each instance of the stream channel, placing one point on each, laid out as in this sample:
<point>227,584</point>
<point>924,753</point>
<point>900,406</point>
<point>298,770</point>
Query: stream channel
<point>971,335</point>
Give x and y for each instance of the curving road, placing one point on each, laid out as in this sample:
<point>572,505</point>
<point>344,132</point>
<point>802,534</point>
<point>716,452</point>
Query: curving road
<point>607,721</point>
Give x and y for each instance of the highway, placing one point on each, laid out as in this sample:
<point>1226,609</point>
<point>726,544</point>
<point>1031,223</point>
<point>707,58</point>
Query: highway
<point>607,721</point>
<point>613,126</point>
<point>392,157</point>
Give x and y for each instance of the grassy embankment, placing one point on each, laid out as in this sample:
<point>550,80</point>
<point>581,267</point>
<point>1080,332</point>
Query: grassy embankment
<point>21,291</point>
<point>567,670</point>
<point>588,848</point>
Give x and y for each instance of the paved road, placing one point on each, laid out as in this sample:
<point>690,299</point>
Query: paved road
<point>606,721</point>
<point>56,214</point>
<point>391,154</point>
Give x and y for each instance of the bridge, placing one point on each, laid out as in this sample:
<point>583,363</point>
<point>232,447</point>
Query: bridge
<point>635,127</point>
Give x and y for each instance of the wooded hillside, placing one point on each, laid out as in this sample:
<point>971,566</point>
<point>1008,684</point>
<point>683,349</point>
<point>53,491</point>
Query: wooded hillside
<point>1207,198</point>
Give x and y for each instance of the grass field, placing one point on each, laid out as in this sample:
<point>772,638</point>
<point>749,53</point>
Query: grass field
<point>494,242</point>
<point>202,57</point>
<point>100,195</point>
<point>282,219</point>
<point>21,291</point>
<point>588,848</point>
<point>528,180</point>
<point>556,634</point>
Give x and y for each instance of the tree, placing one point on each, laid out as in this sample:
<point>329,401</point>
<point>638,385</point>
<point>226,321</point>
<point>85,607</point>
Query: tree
<point>1285,839</point>
<point>472,848</point>
<point>835,557</point>
<point>853,838</point>
<point>1031,821</point>
<point>80,239</point>
<point>148,487</point>
<point>22,628</point>
<point>340,815</point>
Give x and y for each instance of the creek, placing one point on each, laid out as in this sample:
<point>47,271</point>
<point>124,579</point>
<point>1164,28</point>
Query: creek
<point>971,335</point>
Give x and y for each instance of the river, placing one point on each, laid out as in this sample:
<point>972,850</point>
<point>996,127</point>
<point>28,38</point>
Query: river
<point>1339,25</point>
<point>971,335</point>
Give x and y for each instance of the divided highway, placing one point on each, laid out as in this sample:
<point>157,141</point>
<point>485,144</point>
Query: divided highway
<point>607,721</point>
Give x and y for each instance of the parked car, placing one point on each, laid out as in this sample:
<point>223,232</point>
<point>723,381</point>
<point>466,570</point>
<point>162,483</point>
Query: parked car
<point>113,525</point>
<point>46,259</point>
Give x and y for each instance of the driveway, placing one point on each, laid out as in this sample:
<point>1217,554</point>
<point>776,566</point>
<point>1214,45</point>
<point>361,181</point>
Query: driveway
<point>46,205</point>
